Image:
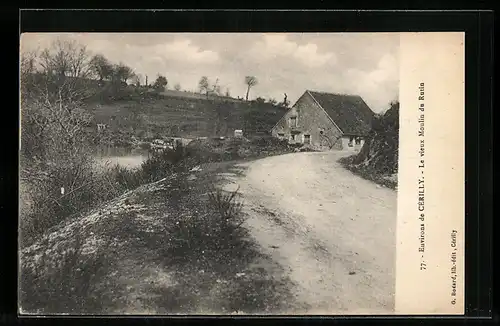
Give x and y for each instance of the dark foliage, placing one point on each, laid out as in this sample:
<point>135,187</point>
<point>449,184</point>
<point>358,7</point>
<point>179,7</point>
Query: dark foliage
<point>378,158</point>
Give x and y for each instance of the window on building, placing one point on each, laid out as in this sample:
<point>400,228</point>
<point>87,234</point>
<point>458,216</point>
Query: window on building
<point>293,122</point>
<point>307,139</point>
<point>321,132</point>
<point>351,141</point>
<point>281,135</point>
<point>292,137</point>
<point>358,140</point>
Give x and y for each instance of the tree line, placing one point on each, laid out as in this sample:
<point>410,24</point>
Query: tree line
<point>207,87</point>
<point>69,64</point>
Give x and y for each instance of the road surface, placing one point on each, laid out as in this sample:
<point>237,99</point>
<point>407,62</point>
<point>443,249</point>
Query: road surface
<point>332,231</point>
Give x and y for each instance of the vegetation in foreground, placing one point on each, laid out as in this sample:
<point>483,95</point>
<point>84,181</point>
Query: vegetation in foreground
<point>200,241</point>
<point>204,234</point>
<point>378,159</point>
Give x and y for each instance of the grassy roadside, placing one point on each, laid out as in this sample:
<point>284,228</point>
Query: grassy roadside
<point>219,268</point>
<point>378,159</point>
<point>171,246</point>
<point>368,173</point>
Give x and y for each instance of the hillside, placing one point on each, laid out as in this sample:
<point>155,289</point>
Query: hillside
<point>199,96</point>
<point>144,112</point>
<point>157,115</point>
<point>378,159</point>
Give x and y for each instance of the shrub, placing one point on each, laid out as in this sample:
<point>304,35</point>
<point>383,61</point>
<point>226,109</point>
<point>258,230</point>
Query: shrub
<point>225,204</point>
<point>378,158</point>
<point>84,185</point>
<point>163,163</point>
<point>125,179</point>
<point>210,232</point>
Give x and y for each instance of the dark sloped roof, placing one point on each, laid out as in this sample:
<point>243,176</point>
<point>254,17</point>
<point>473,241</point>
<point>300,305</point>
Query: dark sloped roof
<point>349,112</point>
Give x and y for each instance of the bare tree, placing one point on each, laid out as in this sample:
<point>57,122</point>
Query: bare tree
<point>27,71</point>
<point>28,63</point>
<point>216,89</point>
<point>250,81</point>
<point>64,71</point>
<point>56,139</point>
<point>52,119</point>
<point>66,59</point>
<point>55,152</point>
<point>79,63</point>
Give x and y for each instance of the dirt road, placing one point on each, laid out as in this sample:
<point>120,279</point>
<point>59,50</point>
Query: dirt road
<point>332,231</point>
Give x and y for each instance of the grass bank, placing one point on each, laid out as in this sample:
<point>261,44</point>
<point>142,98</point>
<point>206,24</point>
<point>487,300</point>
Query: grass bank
<point>176,243</point>
<point>378,159</point>
<point>366,172</point>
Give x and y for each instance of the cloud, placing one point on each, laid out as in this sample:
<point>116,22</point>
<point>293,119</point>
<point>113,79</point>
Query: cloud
<point>184,50</point>
<point>274,46</point>
<point>366,64</point>
<point>379,86</point>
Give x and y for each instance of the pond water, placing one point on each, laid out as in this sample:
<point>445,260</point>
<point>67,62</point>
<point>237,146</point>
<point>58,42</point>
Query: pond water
<point>126,157</point>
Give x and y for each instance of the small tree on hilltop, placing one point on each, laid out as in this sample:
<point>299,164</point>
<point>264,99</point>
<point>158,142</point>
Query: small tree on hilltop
<point>206,87</point>
<point>250,81</point>
<point>177,87</point>
<point>203,85</point>
<point>216,89</point>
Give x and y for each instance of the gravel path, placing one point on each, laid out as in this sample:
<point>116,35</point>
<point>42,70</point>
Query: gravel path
<point>332,231</point>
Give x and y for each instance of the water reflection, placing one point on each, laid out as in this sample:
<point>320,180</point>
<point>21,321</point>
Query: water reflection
<point>126,157</point>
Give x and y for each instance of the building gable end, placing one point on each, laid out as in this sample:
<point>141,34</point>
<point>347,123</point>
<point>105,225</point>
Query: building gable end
<point>326,113</point>
<point>285,114</point>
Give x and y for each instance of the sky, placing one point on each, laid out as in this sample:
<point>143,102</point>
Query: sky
<point>365,64</point>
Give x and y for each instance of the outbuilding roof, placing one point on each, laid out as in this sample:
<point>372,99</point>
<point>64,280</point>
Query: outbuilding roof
<point>349,112</point>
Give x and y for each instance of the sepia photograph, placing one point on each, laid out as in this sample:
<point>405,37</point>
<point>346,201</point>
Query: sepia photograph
<point>209,173</point>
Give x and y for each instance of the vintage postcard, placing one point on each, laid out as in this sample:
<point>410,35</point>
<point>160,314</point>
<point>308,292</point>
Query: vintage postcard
<point>241,173</point>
